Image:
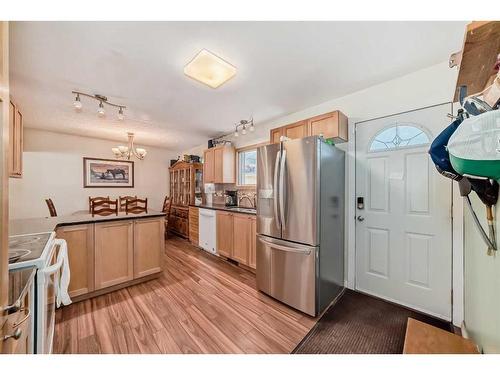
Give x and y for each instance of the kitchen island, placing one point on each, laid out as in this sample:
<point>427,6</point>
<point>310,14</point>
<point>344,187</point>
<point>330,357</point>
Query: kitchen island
<point>106,253</point>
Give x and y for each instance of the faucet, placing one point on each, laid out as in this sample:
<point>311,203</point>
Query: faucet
<point>246,196</point>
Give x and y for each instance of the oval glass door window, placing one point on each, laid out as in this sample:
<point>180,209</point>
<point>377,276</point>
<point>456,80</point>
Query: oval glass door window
<point>399,136</point>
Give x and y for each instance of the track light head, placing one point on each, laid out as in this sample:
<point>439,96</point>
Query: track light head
<point>77,103</point>
<point>121,116</point>
<point>101,112</point>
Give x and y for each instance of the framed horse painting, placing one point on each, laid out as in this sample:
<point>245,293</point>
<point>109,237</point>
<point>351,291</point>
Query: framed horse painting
<point>103,173</point>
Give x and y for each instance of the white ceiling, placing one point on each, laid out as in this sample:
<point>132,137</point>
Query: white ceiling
<point>282,67</point>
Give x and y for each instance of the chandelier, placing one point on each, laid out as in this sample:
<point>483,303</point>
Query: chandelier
<point>100,109</point>
<point>126,152</point>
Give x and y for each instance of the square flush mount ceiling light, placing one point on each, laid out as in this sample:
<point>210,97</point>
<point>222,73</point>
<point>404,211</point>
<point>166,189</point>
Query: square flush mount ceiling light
<point>209,69</point>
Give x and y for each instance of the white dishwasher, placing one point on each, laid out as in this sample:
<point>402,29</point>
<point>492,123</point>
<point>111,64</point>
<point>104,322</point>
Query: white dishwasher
<point>207,230</point>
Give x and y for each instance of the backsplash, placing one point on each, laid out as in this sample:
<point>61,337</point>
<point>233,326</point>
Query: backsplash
<point>250,192</point>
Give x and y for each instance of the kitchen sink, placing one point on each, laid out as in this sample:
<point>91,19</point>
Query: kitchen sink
<point>243,210</point>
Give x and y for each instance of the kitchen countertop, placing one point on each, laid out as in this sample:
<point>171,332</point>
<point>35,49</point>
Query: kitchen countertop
<point>221,207</point>
<point>19,283</point>
<point>49,224</point>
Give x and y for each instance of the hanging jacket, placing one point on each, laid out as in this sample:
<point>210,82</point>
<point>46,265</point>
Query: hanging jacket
<point>439,154</point>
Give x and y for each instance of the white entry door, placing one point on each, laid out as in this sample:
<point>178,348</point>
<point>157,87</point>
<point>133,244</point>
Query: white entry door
<point>403,212</point>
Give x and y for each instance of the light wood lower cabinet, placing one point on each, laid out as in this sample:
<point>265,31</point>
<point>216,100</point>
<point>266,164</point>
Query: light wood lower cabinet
<point>236,237</point>
<point>194,220</point>
<point>252,261</point>
<point>80,240</point>
<point>225,233</point>
<point>107,254</point>
<point>22,320</point>
<point>114,253</point>
<point>242,237</point>
<point>149,246</point>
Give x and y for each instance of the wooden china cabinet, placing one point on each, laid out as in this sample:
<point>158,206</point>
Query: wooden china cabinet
<point>186,181</point>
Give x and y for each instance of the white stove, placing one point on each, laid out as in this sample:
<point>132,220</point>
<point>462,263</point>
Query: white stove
<point>39,250</point>
<point>30,250</point>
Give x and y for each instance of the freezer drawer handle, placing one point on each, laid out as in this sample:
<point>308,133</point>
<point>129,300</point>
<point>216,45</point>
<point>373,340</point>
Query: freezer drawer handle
<point>284,248</point>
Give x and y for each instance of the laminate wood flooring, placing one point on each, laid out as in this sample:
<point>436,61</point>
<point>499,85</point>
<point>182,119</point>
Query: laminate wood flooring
<point>200,304</point>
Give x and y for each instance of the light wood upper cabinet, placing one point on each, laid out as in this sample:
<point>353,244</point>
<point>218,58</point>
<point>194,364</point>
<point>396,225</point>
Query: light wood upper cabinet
<point>149,246</point>
<point>219,165</point>
<point>242,238</point>
<point>252,258</point>
<point>15,141</point>
<point>225,233</point>
<point>114,253</point>
<point>296,130</point>
<point>80,240</point>
<point>331,125</point>
<point>276,134</point>
<point>208,166</point>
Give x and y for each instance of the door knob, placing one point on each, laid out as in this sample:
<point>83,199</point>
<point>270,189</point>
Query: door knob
<point>360,218</point>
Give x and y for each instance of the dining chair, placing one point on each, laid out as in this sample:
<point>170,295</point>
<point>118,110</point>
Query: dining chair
<point>97,200</point>
<point>136,206</point>
<point>104,207</point>
<point>167,208</point>
<point>52,208</point>
<point>123,201</point>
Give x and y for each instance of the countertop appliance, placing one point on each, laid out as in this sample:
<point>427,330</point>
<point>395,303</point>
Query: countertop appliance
<point>207,229</point>
<point>39,251</point>
<point>300,222</point>
<point>231,198</point>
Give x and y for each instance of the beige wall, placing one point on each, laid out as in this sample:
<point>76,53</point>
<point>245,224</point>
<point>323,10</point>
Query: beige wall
<point>425,87</point>
<point>482,283</point>
<point>53,168</point>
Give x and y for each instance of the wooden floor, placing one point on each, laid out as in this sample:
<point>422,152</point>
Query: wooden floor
<point>200,304</point>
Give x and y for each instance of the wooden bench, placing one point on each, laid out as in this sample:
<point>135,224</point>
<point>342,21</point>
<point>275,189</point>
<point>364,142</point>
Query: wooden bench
<point>422,338</point>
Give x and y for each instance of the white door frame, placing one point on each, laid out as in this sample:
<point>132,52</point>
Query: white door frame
<point>457,231</point>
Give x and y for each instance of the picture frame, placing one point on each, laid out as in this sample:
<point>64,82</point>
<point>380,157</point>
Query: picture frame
<point>107,173</point>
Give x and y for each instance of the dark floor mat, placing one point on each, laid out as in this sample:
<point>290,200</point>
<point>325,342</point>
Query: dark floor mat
<point>360,324</point>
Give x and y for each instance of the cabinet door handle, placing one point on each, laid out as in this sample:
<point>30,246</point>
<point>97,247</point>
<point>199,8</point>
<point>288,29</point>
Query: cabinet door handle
<point>28,313</point>
<point>16,335</point>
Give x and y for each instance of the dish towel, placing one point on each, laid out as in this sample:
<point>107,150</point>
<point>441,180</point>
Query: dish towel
<point>62,282</point>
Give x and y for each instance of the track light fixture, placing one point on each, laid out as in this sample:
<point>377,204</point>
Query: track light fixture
<point>245,125</point>
<point>102,100</point>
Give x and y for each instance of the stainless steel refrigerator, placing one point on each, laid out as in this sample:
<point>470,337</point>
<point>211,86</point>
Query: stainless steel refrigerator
<point>300,223</point>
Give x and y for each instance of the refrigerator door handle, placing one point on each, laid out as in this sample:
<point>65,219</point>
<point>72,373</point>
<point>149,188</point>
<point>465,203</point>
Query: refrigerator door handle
<point>275,189</point>
<point>282,189</point>
<point>284,248</point>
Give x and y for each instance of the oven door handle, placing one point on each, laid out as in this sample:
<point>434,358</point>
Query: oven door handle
<point>56,266</point>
